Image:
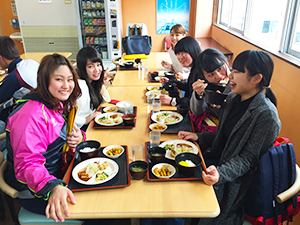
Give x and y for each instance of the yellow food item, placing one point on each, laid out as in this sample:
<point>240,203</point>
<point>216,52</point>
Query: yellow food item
<point>163,172</point>
<point>114,151</point>
<point>158,127</point>
<point>183,163</point>
<point>103,166</point>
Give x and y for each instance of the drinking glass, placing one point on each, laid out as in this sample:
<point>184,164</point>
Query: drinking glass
<point>154,138</point>
<point>137,151</point>
<point>156,105</point>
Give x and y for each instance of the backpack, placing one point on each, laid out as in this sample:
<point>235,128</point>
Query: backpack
<point>276,172</point>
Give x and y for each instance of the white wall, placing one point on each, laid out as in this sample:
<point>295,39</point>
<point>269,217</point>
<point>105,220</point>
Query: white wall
<point>57,13</point>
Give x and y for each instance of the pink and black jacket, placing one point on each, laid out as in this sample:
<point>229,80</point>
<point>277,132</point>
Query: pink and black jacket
<point>35,136</point>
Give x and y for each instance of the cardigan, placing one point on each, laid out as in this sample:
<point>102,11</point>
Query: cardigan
<point>250,138</point>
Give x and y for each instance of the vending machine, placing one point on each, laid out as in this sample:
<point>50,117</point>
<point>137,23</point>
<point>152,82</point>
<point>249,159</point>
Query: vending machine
<point>99,25</point>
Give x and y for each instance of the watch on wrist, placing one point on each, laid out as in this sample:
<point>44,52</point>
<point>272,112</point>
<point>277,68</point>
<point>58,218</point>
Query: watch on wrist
<point>173,102</point>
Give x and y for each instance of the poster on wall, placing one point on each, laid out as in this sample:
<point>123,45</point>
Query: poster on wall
<point>170,13</point>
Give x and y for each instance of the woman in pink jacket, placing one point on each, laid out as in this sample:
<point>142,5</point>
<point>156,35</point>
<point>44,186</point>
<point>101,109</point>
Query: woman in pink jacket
<point>36,133</point>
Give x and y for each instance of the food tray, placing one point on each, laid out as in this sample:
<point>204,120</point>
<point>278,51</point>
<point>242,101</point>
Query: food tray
<point>120,126</point>
<point>185,125</point>
<point>127,68</point>
<point>150,79</point>
<point>122,179</point>
<point>177,175</point>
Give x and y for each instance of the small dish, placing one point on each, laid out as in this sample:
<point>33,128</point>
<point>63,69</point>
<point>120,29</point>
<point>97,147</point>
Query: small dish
<point>113,151</point>
<point>157,78</point>
<point>128,64</point>
<point>110,109</point>
<point>162,166</point>
<point>158,127</point>
<point>151,88</point>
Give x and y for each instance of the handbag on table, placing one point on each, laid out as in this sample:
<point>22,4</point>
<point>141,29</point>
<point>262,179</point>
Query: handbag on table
<point>136,43</point>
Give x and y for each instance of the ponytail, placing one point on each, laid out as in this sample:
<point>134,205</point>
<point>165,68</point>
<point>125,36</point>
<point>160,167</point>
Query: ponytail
<point>270,94</point>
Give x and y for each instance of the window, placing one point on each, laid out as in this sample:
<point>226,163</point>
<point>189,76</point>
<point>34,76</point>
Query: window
<point>293,36</point>
<point>233,14</point>
<point>274,24</point>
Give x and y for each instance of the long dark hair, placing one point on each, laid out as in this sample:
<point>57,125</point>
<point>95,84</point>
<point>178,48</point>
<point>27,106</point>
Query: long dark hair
<point>48,65</point>
<point>257,62</point>
<point>209,60</point>
<point>8,48</point>
<point>188,45</point>
<point>95,86</point>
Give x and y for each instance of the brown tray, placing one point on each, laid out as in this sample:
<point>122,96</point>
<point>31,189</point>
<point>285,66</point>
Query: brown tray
<point>185,125</point>
<point>177,175</point>
<point>122,179</point>
<point>120,126</point>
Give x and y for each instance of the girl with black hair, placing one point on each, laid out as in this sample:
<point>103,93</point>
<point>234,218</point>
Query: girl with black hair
<point>91,73</point>
<point>248,127</point>
<point>187,51</point>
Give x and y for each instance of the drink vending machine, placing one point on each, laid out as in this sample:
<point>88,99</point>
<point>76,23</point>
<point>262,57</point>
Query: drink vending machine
<point>99,25</point>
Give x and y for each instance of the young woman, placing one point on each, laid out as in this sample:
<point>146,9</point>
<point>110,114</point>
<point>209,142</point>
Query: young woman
<point>36,133</point>
<point>91,74</point>
<point>177,33</point>
<point>212,67</point>
<point>187,51</point>
<point>248,127</point>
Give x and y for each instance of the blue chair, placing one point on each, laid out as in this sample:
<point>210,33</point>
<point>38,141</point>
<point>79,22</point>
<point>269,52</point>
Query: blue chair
<point>24,217</point>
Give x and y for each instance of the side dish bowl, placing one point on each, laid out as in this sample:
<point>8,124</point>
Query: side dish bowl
<point>158,127</point>
<point>160,167</point>
<point>113,151</point>
<point>85,149</point>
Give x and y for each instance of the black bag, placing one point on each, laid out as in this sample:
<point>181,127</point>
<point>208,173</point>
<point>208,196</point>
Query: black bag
<point>137,45</point>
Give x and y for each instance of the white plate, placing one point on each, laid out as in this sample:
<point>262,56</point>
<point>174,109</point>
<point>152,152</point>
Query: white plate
<point>106,149</point>
<point>154,124</point>
<point>108,115</point>
<point>166,114</point>
<point>150,88</point>
<point>111,109</point>
<point>111,170</point>
<point>175,142</point>
<point>169,167</point>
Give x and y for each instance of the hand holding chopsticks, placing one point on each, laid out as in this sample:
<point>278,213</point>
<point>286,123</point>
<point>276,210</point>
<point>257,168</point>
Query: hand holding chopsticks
<point>211,175</point>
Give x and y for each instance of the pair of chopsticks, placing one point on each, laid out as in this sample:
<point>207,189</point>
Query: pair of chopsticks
<point>202,160</point>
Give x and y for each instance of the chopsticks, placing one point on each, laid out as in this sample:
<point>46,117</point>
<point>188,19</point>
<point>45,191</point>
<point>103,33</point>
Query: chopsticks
<point>202,159</point>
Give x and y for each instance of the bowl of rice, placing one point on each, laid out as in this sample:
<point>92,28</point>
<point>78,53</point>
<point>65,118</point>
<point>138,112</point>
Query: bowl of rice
<point>188,163</point>
<point>88,149</point>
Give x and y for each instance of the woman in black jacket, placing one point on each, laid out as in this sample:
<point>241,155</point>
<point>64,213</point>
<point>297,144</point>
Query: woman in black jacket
<point>187,51</point>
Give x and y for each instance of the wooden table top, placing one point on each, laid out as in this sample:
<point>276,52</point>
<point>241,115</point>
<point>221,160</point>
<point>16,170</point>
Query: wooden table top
<point>133,78</point>
<point>142,199</point>
<point>37,56</point>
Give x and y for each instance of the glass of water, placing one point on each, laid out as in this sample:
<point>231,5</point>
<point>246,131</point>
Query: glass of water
<point>154,138</point>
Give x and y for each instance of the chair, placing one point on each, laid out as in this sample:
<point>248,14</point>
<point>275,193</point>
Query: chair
<point>167,43</point>
<point>24,217</point>
<point>286,195</point>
